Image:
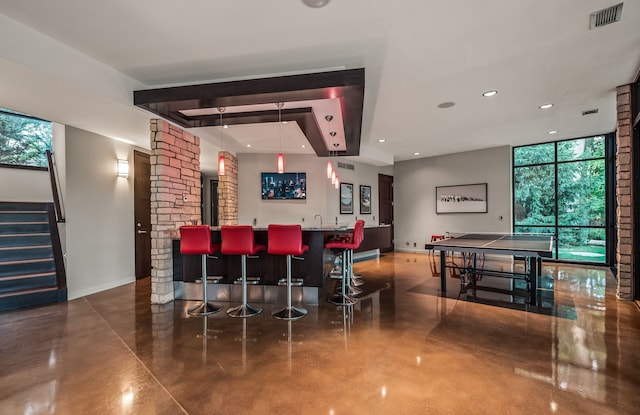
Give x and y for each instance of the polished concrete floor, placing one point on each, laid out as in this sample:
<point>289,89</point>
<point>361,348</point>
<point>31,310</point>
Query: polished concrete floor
<point>402,350</point>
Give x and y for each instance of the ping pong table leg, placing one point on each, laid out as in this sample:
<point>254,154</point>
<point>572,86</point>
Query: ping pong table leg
<point>443,273</point>
<point>532,262</point>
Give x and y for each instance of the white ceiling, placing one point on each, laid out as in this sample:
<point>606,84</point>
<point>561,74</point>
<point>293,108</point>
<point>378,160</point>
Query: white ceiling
<point>77,62</point>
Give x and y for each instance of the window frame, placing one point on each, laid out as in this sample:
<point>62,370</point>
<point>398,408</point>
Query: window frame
<point>610,203</point>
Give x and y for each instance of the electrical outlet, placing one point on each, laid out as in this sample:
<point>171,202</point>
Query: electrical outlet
<point>414,245</point>
<point>407,243</point>
<point>302,220</point>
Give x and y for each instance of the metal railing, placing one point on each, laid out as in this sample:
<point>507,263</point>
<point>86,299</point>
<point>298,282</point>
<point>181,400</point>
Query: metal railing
<point>54,188</point>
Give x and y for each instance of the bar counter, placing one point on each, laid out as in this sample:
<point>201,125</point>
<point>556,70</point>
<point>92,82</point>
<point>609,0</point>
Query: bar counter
<point>312,269</point>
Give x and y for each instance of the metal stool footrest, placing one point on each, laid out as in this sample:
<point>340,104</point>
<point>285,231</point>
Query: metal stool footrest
<point>295,282</point>
<point>211,279</point>
<point>250,281</point>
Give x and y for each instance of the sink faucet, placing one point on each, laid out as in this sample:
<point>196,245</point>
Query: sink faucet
<point>320,216</point>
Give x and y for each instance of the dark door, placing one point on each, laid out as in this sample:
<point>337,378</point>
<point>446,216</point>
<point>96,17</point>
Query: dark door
<point>385,201</point>
<point>142,213</point>
<point>214,202</point>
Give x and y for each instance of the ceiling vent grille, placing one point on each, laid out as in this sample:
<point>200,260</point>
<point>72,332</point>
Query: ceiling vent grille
<point>593,111</point>
<point>606,16</point>
<point>346,166</point>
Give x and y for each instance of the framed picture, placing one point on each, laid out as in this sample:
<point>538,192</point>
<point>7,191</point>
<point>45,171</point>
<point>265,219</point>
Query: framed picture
<point>346,198</point>
<point>365,200</point>
<point>466,198</point>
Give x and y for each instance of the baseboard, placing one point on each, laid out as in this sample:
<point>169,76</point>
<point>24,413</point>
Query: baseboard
<point>72,295</point>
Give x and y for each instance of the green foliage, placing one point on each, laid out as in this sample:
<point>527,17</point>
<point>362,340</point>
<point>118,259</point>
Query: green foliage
<point>24,140</point>
<point>580,189</point>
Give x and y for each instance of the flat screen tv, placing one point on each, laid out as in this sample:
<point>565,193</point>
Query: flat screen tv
<point>284,186</point>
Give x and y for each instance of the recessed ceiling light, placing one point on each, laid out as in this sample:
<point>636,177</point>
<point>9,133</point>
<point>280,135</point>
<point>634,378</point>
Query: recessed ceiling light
<point>545,106</point>
<point>248,145</point>
<point>285,122</point>
<point>315,3</point>
<point>489,93</point>
<point>416,154</point>
<point>382,140</point>
<point>303,146</point>
<point>553,132</point>
<point>225,126</point>
<point>447,104</point>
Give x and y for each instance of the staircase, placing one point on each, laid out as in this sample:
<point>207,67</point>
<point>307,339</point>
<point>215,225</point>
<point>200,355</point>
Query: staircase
<point>31,266</point>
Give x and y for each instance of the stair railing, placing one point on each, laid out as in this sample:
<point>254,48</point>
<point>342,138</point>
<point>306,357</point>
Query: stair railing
<point>59,211</point>
<point>58,256</point>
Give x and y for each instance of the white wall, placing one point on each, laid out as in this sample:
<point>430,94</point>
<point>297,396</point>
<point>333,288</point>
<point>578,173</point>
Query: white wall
<point>415,184</point>
<point>322,197</point>
<point>99,206</point>
<point>13,189</point>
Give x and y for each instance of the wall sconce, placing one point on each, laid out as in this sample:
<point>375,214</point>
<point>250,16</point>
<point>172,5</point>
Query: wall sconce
<point>123,168</point>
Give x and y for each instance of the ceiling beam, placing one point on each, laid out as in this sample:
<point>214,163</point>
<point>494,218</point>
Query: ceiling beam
<point>346,85</point>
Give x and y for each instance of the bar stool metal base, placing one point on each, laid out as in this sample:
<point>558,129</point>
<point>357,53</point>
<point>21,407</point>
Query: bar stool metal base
<point>244,310</point>
<point>289,313</point>
<point>343,300</point>
<point>204,309</point>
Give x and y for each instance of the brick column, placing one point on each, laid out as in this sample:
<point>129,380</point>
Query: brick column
<point>228,191</point>
<point>623,194</point>
<point>175,199</point>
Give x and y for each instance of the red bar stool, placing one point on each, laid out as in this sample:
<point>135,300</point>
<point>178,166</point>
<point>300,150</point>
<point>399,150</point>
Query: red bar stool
<point>347,246</point>
<point>238,240</point>
<point>196,240</point>
<point>287,240</point>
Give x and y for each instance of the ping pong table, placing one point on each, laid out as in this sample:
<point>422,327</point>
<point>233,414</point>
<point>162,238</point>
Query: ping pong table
<point>530,246</point>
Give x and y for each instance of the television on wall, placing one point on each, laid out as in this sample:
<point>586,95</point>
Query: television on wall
<point>284,186</point>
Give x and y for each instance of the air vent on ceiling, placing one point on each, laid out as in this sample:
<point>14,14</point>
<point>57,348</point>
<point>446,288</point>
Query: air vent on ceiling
<point>346,166</point>
<point>606,16</point>
<point>593,111</point>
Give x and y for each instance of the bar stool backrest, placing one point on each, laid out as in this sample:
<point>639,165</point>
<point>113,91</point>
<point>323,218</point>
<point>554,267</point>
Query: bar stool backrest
<point>238,240</point>
<point>285,240</point>
<point>358,233</point>
<point>196,239</point>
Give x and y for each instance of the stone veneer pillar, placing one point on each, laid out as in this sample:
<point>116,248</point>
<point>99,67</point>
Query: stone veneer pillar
<point>624,198</point>
<point>228,191</point>
<point>175,199</point>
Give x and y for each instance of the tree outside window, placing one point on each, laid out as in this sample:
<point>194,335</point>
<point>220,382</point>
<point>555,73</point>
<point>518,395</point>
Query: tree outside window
<point>24,140</point>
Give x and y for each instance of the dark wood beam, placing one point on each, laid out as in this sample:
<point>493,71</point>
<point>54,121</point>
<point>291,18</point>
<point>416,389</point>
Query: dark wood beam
<point>346,85</point>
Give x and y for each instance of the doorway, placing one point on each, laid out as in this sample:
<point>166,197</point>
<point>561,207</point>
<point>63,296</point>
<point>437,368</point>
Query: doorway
<point>385,202</point>
<point>142,213</point>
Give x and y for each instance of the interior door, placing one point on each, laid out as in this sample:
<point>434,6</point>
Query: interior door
<point>142,213</point>
<point>385,202</point>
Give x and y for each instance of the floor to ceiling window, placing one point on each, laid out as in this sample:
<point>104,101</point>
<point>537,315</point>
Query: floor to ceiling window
<point>561,188</point>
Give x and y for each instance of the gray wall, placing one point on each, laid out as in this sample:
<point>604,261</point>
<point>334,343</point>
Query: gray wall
<point>99,206</point>
<point>20,185</point>
<point>322,197</point>
<point>415,181</point>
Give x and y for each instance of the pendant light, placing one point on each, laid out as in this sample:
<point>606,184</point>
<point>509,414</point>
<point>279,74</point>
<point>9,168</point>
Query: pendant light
<point>280,157</point>
<point>221,157</point>
<point>329,166</point>
<point>334,176</point>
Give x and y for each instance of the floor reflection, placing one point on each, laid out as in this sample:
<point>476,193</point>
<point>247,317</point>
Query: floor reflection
<point>403,349</point>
